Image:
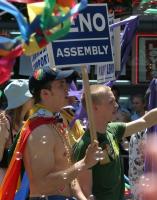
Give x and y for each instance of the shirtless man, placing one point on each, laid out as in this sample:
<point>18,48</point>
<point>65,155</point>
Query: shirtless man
<point>47,151</point>
<point>47,155</point>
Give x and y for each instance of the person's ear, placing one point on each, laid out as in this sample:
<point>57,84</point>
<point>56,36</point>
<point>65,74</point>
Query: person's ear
<point>45,93</point>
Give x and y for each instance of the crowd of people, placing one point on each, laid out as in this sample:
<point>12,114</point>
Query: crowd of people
<point>60,158</point>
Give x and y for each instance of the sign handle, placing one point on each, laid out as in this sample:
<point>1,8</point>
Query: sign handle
<point>88,103</point>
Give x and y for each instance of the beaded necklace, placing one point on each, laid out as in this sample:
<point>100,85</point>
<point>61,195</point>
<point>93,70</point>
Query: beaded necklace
<point>61,128</point>
<point>62,131</point>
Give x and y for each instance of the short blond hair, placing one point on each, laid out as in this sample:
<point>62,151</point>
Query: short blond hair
<point>97,92</point>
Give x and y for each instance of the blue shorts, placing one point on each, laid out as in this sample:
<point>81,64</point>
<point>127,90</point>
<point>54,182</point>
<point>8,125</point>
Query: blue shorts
<point>53,197</point>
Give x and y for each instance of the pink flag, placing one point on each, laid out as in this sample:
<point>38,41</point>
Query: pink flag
<point>7,63</point>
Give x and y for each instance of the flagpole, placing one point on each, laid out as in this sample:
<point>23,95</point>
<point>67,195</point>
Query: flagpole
<point>88,103</point>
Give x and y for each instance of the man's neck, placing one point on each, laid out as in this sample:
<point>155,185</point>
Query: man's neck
<point>47,107</point>
<point>100,126</point>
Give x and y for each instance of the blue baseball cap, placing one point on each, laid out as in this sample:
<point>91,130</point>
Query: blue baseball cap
<point>41,76</point>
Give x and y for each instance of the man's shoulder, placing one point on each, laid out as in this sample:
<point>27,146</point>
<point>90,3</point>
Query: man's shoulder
<point>39,121</point>
<point>42,138</point>
<point>79,148</point>
<point>113,125</point>
<point>84,139</point>
<point>42,129</point>
<point>116,129</point>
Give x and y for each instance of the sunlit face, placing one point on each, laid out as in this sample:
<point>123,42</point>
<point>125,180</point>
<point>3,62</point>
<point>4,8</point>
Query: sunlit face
<point>137,104</point>
<point>58,95</point>
<point>108,106</point>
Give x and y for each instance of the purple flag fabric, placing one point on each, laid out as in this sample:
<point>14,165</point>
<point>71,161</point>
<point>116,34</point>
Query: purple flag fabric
<point>128,34</point>
<point>73,86</point>
<point>126,43</point>
<point>80,114</point>
<point>75,93</point>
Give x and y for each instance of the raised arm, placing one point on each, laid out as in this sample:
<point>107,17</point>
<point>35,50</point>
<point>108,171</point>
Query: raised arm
<point>147,121</point>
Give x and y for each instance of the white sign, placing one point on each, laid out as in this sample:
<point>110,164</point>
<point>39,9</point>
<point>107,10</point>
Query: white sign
<point>106,72</point>
<point>43,58</point>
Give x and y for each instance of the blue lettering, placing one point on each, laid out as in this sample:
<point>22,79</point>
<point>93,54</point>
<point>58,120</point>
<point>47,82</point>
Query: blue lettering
<point>38,63</point>
<point>42,61</point>
<point>110,69</point>
<point>45,59</point>
<point>101,70</point>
